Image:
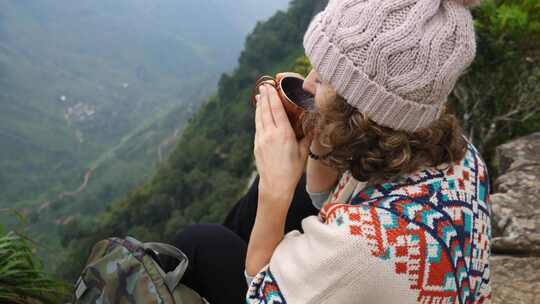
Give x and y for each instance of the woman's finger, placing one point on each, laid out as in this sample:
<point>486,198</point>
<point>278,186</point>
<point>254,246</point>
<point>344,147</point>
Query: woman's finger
<point>266,112</point>
<point>258,119</point>
<point>278,111</point>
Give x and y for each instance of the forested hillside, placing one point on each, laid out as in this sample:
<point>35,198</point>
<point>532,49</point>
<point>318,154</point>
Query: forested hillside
<point>94,96</point>
<point>212,163</point>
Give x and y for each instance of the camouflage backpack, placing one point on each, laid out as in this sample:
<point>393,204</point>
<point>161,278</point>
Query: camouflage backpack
<point>128,271</point>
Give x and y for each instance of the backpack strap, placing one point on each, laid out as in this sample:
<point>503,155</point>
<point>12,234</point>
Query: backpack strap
<point>80,288</point>
<point>172,278</point>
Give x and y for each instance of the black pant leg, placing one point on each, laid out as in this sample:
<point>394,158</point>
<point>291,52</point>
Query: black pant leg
<point>241,218</point>
<point>217,253</point>
<point>216,262</point>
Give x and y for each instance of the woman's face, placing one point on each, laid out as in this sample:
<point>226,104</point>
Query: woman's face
<point>322,90</point>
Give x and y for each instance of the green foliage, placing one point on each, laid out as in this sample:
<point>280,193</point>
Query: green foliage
<point>21,276</point>
<point>22,279</point>
<point>499,98</point>
<point>510,21</point>
<point>302,66</point>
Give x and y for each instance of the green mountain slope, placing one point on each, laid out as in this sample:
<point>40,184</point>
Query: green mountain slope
<point>212,162</point>
<point>77,77</point>
<point>94,95</point>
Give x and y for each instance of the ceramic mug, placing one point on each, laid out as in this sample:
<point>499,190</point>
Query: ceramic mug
<point>295,100</point>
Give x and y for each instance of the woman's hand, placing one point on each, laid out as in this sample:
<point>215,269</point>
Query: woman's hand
<point>279,157</point>
<point>280,160</point>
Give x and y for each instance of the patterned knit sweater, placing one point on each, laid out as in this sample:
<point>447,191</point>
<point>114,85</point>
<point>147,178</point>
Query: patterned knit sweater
<point>423,238</point>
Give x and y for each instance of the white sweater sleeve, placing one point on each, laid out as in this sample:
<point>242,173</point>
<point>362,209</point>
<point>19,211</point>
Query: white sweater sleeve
<point>325,264</point>
<point>317,199</point>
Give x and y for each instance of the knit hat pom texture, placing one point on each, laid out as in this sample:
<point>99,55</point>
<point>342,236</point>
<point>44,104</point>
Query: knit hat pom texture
<point>396,61</point>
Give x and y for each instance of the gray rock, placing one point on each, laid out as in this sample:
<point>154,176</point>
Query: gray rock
<point>516,202</point>
<point>515,280</point>
<point>526,149</point>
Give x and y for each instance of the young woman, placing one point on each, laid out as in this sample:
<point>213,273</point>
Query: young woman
<point>394,206</point>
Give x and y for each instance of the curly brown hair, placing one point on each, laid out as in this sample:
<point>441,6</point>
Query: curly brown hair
<point>376,154</point>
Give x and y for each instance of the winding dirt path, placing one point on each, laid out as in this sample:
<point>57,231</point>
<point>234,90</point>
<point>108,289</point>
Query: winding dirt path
<point>81,188</point>
<point>88,175</point>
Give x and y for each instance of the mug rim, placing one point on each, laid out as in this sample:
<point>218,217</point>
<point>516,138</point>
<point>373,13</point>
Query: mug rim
<point>290,75</point>
<point>276,82</point>
<point>295,112</point>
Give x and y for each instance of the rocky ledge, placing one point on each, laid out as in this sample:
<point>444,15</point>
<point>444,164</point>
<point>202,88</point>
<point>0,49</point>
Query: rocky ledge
<point>515,262</point>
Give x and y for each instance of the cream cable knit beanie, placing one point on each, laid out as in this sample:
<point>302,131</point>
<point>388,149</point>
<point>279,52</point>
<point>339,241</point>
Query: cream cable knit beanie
<point>396,61</point>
